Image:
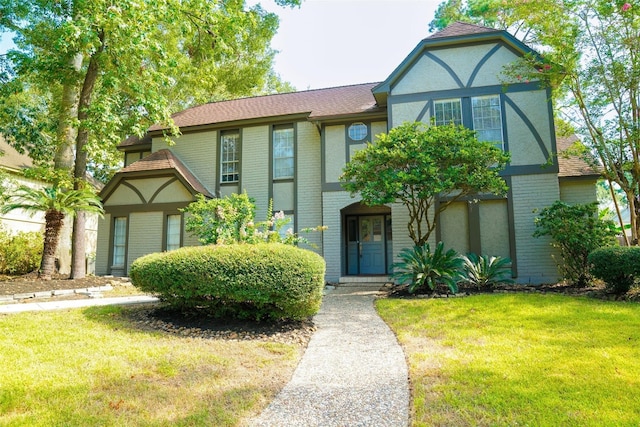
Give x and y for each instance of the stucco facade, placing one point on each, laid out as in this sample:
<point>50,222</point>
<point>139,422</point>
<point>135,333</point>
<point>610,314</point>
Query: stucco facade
<point>291,148</point>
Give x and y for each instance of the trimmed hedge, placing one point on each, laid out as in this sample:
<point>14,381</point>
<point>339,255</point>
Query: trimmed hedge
<point>618,267</point>
<point>262,281</point>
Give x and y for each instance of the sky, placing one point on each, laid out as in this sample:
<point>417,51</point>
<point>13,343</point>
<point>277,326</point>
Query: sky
<point>327,43</point>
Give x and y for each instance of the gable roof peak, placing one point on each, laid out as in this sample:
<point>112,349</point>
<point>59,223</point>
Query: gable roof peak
<point>460,28</point>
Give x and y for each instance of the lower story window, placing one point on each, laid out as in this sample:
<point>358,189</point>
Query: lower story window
<point>119,240</point>
<point>173,232</point>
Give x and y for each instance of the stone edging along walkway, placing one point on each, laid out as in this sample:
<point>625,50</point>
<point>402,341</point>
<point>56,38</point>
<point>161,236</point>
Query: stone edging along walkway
<point>93,292</point>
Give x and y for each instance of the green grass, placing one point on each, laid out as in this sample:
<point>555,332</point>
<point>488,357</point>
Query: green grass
<point>523,359</point>
<point>88,367</point>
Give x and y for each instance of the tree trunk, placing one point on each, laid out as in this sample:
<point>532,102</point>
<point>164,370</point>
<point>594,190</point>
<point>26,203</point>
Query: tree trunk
<point>53,223</point>
<point>64,156</point>
<point>78,247</point>
<point>78,267</point>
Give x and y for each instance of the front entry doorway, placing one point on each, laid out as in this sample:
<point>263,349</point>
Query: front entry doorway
<point>368,243</point>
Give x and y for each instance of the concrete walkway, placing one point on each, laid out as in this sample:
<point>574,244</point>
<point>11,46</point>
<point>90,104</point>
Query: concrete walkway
<point>353,372</point>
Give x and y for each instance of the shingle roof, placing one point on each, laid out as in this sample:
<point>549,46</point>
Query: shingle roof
<point>318,103</point>
<point>571,166</point>
<point>166,160</point>
<point>462,29</point>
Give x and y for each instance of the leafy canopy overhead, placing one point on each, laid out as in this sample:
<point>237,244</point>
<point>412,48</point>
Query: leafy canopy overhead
<point>425,167</point>
<point>140,60</point>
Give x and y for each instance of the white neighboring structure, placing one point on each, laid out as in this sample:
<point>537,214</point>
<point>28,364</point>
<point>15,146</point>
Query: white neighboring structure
<point>14,165</point>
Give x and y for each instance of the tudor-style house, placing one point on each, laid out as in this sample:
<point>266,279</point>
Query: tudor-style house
<point>292,147</point>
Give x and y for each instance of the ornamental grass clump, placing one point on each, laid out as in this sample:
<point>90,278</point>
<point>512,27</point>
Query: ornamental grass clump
<point>487,271</point>
<point>247,281</point>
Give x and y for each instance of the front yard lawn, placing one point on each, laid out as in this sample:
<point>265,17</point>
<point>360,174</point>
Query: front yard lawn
<point>91,367</point>
<point>520,359</point>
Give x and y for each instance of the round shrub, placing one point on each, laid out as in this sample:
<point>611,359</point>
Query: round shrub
<point>262,281</point>
<point>618,266</point>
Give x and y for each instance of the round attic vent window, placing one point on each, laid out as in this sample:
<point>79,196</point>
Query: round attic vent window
<point>358,131</point>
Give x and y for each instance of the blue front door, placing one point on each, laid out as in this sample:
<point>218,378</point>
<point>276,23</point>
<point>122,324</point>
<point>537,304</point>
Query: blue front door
<point>366,244</point>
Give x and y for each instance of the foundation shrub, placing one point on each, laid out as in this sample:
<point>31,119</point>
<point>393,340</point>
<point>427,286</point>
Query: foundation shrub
<point>618,267</point>
<point>576,231</point>
<point>246,281</point>
<point>20,253</point>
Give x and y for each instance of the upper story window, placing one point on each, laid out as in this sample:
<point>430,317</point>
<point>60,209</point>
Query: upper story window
<point>487,118</point>
<point>448,111</point>
<point>481,113</point>
<point>358,131</point>
<point>283,152</point>
<point>229,156</point>
<point>134,156</point>
<point>174,227</point>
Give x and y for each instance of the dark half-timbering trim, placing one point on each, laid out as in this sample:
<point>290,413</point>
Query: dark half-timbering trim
<point>134,189</point>
<point>465,92</point>
<point>447,68</point>
<point>332,186</point>
<point>475,238</point>
<point>124,210</point>
<point>481,63</point>
<point>530,126</point>
<point>511,170</point>
<point>512,230</point>
<point>162,187</point>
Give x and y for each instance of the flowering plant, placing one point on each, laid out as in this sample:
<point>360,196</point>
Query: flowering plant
<point>231,220</point>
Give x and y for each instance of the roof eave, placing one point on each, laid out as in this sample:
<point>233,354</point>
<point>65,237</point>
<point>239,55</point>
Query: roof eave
<point>381,114</point>
<point>581,177</point>
<point>235,123</point>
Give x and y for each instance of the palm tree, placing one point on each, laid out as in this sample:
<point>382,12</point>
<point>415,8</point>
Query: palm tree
<point>56,203</point>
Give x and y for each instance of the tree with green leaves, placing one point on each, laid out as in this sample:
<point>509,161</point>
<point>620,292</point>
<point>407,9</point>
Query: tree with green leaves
<point>426,168</point>
<point>56,204</point>
<point>85,74</point>
<point>576,230</point>
<point>591,57</point>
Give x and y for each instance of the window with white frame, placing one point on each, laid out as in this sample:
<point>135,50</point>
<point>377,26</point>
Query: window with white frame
<point>487,118</point>
<point>283,152</point>
<point>174,223</point>
<point>229,156</point>
<point>119,240</point>
<point>448,111</point>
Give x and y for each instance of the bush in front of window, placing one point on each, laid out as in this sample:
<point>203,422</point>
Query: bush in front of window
<point>231,220</point>
<point>258,282</point>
